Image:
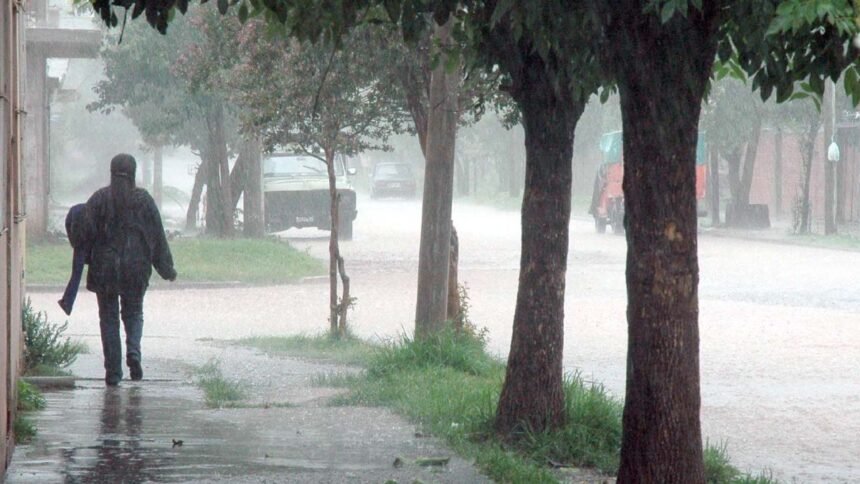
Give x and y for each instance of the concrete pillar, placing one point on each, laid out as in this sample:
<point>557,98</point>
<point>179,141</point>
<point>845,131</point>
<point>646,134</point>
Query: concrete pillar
<point>35,144</point>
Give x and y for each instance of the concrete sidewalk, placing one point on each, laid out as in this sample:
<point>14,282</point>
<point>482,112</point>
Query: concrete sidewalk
<point>127,434</point>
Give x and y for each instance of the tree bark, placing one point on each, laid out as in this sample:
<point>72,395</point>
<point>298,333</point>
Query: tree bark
<point>337,312</point>
<point>714,187</point>
<point>219,214</point>
<point>255,226</point>
<point>158,175</point>
<point>432,301</point>
<point>532,397</point>
<point>749,163</point>
<point>194,202</point>
<point>454,307</point>
<point>802,208</point>
<point>237,177</point>
<point>661,97</point>
<point>829,169</point>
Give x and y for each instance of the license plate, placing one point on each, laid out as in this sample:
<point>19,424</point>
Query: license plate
<point>304,219</point>
<point>393,185</point>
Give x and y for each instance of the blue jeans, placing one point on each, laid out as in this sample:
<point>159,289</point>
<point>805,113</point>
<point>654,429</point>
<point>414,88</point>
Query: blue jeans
<point>132,320</point>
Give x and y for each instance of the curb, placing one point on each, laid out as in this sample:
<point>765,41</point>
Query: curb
<point>51,382</point>
<point>175,286</point>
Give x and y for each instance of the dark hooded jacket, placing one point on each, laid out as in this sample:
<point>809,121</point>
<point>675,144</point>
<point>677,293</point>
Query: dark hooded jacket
<point>126,246</point>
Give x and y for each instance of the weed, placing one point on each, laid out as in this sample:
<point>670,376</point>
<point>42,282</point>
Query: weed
<point>348,349</point>
<point>220,392</point>
<point>719,470</point>
<point>29,397</point>
<point>44,342</point>
<point>24,428</point>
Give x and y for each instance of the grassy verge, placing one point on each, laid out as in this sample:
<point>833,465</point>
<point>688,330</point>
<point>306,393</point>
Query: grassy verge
<point>29,399</point>
<point>220,392</point>
<point>838,241</point>
<point>350,351</point>
<point>719,470</point>
<point>196,260</point>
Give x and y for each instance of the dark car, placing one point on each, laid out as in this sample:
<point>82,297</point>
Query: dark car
<point>393,179</point>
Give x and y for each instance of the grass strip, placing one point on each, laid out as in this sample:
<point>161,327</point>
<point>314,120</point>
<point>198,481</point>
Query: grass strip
<point>258,261</point>
<point>719,469</point>
<point>220,392</point>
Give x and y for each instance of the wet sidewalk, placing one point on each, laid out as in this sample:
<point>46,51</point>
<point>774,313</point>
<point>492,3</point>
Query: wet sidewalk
<point>160,430</point>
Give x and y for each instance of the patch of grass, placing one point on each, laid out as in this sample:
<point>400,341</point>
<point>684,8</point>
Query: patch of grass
<point>348,350</point>
<point>259,261</point>
<point>719,469</point>
<point>29,397</point>
<point>838,241</point>
<point>24,429</point>
<point>450,387</point>
<point>220,392</point>
<point>45,347</point>
<point>336,379</point>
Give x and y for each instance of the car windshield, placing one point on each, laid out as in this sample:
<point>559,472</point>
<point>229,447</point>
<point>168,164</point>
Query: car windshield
<point>290,165</point>
<point>393,171</point>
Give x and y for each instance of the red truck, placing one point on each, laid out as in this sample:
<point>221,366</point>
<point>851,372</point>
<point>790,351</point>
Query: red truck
<point>607,199</point>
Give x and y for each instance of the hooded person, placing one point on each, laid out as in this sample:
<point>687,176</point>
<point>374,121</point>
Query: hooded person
<point>128,240</point>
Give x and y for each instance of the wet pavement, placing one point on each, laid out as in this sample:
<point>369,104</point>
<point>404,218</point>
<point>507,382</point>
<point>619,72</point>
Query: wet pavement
<point>159,430</point>
<point>780,324</point>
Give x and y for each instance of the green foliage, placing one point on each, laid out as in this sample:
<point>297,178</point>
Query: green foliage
<point>719,470</point>
<point>24,429</point>
<point>29,397</point>
<point>44,342</point>
<point>197,260</point>
<point>219,391</point>
<point>445,349</point>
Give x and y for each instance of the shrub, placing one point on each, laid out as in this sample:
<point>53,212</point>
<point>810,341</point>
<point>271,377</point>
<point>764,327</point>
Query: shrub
<point>29,397</point>
<point>45,345</point>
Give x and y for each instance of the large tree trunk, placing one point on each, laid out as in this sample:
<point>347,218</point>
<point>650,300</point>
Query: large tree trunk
<point>532,397</point>
<point>661,97</point>
<point>432,301</point>
<point>219,214</point>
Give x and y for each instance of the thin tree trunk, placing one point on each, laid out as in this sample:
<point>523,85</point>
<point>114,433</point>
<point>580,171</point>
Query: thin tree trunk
<point>255,226</point>
<point>238,177</point>
<point>714,187</point>
<point>829,169</point>
<point>219,214</point>
<point>158,175</point>
<point>532,398</point>
<point>807,154</point>
<point>196,193</point>
<point>841,192</point>
<point>337,312</point>
<point>661,98</point>
<point>432,301</point>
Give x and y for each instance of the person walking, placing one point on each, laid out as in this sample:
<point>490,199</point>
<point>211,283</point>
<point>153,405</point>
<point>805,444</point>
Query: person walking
<point>127,241</point>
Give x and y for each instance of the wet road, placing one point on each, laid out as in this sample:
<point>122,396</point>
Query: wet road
<point>780,325</point>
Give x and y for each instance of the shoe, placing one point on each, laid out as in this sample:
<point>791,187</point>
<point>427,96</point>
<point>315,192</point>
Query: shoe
<point>112,381</point>
<point>136,370</point>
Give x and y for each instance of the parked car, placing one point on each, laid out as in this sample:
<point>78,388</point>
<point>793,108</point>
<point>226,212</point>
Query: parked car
<point>296,194</point>
<point>393,179</point>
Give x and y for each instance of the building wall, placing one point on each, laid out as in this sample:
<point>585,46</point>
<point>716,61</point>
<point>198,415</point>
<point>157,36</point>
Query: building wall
<point>766,182</point>
<point>11,218</point>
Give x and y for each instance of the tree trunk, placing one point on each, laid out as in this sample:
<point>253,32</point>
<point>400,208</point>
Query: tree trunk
<point>432,301</point>
<point>532,397</point>
<point>829,169</point>
<point>255,226</point>
<point>158,175</point>
<point>841,191</point>
<point>412,86</point>
<point>661,98</point>
<point>749,163</point>
<point>196,193</point>
<point>219,214</point>
<point>454,307</point>
<point>714,187</point>
<point>733,159</point>
<point>237,177</point>
<point>802,208</point>
<point>337,312</point>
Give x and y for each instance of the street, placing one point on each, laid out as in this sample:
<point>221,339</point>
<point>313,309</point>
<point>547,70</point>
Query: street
<point>779,324</point>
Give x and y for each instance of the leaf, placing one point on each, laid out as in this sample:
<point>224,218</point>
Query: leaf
<point>222,6</point>
<point>392,8</point>
<point>667,12</point>
<point>501,9</point>
<point>243,12</point>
